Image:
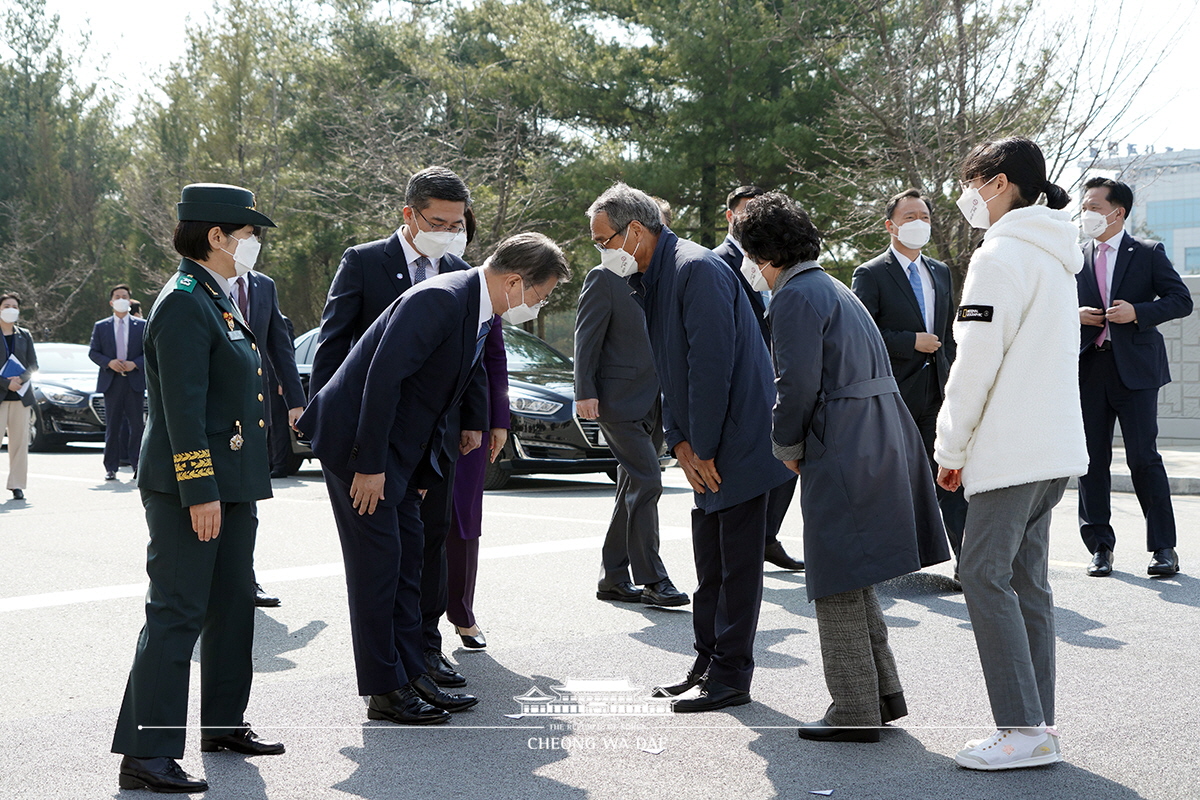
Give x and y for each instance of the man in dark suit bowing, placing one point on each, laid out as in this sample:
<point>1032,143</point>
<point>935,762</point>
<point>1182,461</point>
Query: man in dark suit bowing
<point>378,425</point>
<point>117,349</point>
<point>718,390</point>
<point>780,498</point>
<point>437,216</point>
<point>911,299</point>
<point>1127,287</point>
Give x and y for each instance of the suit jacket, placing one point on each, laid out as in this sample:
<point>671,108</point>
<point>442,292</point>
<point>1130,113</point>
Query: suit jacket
<point>883,287</point>
<point>203,376</point>
<point>613,360</point>
<point>731,254</point>
<point>713,365</point>
<point>1144,277</point>
<point>385,408</point>
<point>495,370</point>
<point>23,350</point>
<point>104,350</point>
<point>271,334</point>
<point>369,277</point>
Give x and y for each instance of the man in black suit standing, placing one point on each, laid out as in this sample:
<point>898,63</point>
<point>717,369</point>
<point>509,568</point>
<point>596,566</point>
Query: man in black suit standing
<point>437,215</point>
<point>780,498</point>
<point>1127,288</point>
<point>378,425</point>
<point>117,349</point>
<point>911,299</point>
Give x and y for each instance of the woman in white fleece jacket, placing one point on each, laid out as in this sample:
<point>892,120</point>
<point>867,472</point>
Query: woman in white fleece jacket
<point>1011,432</point>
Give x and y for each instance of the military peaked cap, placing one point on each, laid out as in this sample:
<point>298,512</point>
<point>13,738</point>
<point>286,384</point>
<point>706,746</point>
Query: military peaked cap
<point>220,203</point>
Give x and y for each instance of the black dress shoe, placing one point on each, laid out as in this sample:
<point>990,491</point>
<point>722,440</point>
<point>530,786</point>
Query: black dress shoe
<point>158,775</point>
<point>676,689</point>
<point>110,476</point>
<point>440,670</point>
<point>892,706</point>
<point>18,494</point>
<point>820,731</point>
<point>1164,562</point>
<point>1101,565</point>
<point>264,600</point>
<point>715,695</point>
<point>404,707</point>
<point>473,641</point>
<point>279,473</point>
<point>243,740</point>
<point>429,691</point>
<point>623,592</point>
<point>775,554</point>
<point>664,594</point>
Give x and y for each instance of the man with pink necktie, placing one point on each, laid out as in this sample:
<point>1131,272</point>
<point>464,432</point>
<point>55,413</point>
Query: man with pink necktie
<point>1127,288</point>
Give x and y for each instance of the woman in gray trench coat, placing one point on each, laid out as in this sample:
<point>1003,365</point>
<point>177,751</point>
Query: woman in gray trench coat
<point>866,493</point>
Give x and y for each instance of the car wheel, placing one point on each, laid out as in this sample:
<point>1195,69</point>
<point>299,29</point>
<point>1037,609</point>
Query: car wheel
<point>612,474</point>
<point>292,463</point>
<point>39,440</point>
<point>495,477</point>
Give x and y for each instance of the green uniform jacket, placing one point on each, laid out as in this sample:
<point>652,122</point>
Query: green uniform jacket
<point>203,379</point>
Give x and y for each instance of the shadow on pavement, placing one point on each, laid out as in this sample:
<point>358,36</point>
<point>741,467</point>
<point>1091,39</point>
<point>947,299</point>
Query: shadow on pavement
<point>1180,589</point>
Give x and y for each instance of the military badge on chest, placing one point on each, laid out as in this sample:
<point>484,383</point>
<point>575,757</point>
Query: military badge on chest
<point>236,441</point>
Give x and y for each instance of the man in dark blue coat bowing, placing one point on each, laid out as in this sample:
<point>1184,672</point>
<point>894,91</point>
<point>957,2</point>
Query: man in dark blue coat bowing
<point>717,394</point>
<point>378,427</point>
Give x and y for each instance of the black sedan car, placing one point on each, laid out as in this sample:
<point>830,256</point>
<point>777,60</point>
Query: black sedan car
<point>545,437</point>
<point>68,407</point>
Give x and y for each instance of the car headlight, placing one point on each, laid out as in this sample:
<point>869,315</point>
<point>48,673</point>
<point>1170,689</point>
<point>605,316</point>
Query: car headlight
<point>63,397</point>
<point>533,405</point>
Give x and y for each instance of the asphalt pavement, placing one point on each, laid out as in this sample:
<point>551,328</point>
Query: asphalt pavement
<point>72,580</point>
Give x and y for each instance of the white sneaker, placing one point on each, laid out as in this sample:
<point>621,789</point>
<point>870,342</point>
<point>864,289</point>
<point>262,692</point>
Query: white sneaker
<point>1008,748</point>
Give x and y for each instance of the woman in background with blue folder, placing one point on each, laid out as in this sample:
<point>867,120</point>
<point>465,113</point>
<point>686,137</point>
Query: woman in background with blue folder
<point>20,362</point>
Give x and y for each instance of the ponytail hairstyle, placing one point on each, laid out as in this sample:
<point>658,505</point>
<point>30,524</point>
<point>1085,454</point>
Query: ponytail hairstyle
<point>1022,163</point>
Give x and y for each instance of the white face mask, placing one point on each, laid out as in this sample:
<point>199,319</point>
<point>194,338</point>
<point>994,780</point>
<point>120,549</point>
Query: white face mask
<point>517,315</point>
<point>120,305</point>
<point>914,234</point>
<point>1092,223</point>
<point>753,275</point>
<point>245,253</point>
<point>10,315</point>
<point>619,262</point>
<point>436,244</point>
<point>975,208</point>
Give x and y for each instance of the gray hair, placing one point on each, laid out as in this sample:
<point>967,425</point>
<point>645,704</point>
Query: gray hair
<point>623,204</point>
<point>533,256</point>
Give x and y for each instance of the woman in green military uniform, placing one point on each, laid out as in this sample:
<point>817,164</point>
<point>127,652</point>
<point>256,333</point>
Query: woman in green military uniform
<point>203,464</point>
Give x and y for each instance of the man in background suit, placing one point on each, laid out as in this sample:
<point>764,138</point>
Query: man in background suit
<point>437,217</point>
<point>780,498</point>
<point>911,299</point>
<point>1127,288</point>
<point>615,384</point>
<point>256,298</point>
<point>117,349</point>
<point>378,425</point>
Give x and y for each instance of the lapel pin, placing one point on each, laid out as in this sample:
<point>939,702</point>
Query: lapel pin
<point>400,276</point>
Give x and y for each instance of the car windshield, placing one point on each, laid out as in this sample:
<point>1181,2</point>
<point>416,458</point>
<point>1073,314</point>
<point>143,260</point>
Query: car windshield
<point>63,358</point>
<point>526,352</point>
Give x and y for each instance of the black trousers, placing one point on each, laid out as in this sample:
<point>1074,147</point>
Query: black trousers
<point>383,553</point>
<point>123,424</point>
<point>953,505</point>
<point>197,590</point>
<point>728,548</point>
<point>779,500</point>
<point>279,437</point>
<point>1105,401</point>
<point>631,543</point>
<point>436,509</point>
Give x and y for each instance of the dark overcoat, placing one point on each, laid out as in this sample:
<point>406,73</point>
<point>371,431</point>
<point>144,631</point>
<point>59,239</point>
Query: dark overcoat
<point>866,492</point>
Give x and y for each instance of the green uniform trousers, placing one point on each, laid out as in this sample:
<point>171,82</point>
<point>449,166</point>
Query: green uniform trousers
<point>199,590</point>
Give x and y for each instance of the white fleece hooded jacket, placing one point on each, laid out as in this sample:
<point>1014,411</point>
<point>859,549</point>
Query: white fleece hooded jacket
<point>1011,413</point>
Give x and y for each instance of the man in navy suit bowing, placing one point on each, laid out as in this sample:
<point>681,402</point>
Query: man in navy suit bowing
<point>117,349</point>
<point>1127,288</point>
<point>718,388</point>
<point>378,426</point>
<point>437,223</point>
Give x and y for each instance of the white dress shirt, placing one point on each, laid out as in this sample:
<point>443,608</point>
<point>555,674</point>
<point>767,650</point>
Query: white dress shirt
<point>929,295</point>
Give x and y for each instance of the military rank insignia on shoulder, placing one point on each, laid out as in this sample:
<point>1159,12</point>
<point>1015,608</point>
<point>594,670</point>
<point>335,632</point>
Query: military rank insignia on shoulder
<point>185,283</point>
<point>974,314</point>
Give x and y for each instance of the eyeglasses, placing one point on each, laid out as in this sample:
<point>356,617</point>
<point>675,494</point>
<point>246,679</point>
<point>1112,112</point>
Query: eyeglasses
<point>602,246</point>
<point>542,300</point>
<point>438,228</point>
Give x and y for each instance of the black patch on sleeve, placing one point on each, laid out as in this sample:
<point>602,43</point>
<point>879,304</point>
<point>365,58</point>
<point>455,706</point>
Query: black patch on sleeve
<point>974,314</point>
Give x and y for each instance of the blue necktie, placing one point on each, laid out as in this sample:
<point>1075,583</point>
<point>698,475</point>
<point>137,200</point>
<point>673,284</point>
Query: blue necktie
<point>914,278</point>
<point>422,265</point>
<point>483,332</point>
